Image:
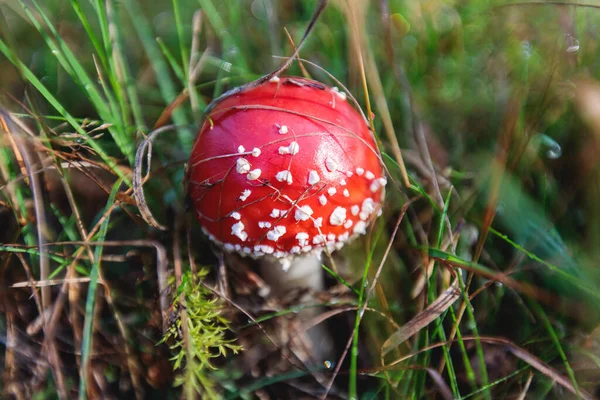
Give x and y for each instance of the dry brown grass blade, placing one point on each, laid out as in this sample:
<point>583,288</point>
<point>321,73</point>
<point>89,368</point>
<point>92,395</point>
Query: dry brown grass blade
<point>424,318</point>
<point>138,191</point>
<point>19,132</point>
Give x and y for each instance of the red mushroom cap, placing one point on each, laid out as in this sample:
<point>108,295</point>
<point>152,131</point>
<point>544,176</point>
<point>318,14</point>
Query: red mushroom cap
<point>285,168</point>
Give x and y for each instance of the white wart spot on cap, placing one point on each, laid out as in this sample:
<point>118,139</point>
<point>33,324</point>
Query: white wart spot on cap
<point>237,229</point>
<point>274,79</point>
<point>303,213</point>
<point>319,239</point>
<point>241,149</point>
<point>235,215</point>
<point>343,182</point>
<point>302,238</point>
<point>245,194</point>
<point>332,191</point>
<point>360,228</point>
<point>354,210</point>
<point>338,216</point>
<point>349,174</point>
<point>360,171</point>
<point>346,193</point>
<point>256,152</point>
<point>318,222</point>
<point>229,247</point>
<point>275,233</point>
<point>331,164</point>
<point>341,95</point>
<point>348,224</point>
<point>292,149</point>
<point>283,129</point>
<point>254,174</point>
<point>263,248</point>
<point>284,176</point>
<point>369,175</point>
<point>242,166</point>
<point>313,177</point>
<point>275,213</point>
<point>322,199</point>
<point>264,224</point>
<point>368,206</point>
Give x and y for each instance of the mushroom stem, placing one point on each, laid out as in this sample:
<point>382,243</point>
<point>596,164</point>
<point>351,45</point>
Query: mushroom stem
<point>304,272</point>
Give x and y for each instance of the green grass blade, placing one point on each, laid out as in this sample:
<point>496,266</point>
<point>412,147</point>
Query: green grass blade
<point>86,342</point>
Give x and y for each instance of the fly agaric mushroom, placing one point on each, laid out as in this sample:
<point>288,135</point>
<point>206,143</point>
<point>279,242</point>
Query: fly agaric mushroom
<point>285,169</point>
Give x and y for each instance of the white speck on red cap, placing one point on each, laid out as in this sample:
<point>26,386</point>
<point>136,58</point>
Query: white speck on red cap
<point>346,193</point>
<point>275,213</point>
<point>237,229</point>
<point>264,248</point>
<point>303,213</point>
<point>284,176</point>
<point>245,194</point>
<point>318,222</point>
<point>313,177</point>
<point>283,129</point>
<point>242,166</point>
<point>277,232</point>
<point>322,199</point>
<point>343,182</point>
<point>292,149</point>
<point>241,149</point>
<point>338,216</point>
<point>332,191</point>
<point>369,175</point>
<point>348,224</point>
<point>254,174</point>
<point>264,224</point>
<point>256,152</point>
<point>274,79</point>
<point>302,238</point>
<point>360,171</point>
<point>331,164</point>
<point>236,215</point>
<point>355,209</point>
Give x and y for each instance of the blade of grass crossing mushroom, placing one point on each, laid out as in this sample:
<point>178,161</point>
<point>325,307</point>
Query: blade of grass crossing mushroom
<point>86,344</point>
<point>340,279</point>
<point>363,299</point>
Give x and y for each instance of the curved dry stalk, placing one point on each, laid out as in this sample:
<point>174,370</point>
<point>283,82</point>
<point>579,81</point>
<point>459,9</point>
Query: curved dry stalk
<point>138,191</point>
